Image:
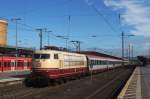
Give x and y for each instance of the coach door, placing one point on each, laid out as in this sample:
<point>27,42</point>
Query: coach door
<point>25,65</point>
<point>91,63</point>
<point>12,65</point>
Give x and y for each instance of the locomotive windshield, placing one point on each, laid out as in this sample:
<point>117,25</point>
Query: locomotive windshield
<point>41,56</point>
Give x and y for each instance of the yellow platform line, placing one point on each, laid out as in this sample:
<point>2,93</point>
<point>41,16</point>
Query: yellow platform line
<point>122,94</point>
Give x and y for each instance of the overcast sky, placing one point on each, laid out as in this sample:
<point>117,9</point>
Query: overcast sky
<point>93,22</point>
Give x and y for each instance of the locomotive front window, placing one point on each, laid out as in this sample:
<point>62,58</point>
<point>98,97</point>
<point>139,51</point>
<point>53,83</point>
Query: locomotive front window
<point>41,56</point>
<point>45,56</point>
<point>37,56</point>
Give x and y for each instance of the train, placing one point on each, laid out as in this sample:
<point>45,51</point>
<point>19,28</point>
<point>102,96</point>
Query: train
<point>8,63</point>
<point>54,65</point>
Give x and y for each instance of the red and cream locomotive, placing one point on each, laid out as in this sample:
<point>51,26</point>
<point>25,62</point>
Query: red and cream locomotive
<point>51,65</point>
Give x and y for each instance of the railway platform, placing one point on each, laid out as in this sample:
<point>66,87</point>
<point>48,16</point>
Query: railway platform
<point>12,77</point>
<point>137,87</point>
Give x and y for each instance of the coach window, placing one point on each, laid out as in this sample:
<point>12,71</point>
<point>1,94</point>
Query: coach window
<point>12,64</point>
<point>98,62</point>
<point>102,63</point>
<point>109,62</point>
<point>28,63</point>
<point>0,64</point>
<point>5,63</point>
<point>9,64</point>
<point>92,62</point>
<point>105,63</point>
<point>56,56</point>
<point>25,63</point>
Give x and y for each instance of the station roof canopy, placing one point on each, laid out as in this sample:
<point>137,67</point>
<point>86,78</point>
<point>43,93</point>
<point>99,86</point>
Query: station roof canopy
<point>11,50</point>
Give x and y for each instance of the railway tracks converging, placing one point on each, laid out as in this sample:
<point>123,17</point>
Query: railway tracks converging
<point>99,86</point>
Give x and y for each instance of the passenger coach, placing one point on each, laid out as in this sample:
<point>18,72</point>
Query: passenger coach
<point>99,63</point>
<point>8,63</point>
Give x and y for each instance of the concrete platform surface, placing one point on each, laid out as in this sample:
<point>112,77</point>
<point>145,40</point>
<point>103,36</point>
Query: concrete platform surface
<point>145,82</point>
<point>132,89</point>
<point>15,74</point>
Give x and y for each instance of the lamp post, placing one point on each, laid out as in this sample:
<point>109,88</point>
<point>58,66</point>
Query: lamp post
<point>16,21</point>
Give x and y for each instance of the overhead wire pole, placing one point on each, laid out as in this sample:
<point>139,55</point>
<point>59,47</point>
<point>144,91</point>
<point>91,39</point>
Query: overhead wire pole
<point>129,52</point>
<point>41,30</point>
<point>69,23</point>
<point>149,51</point>
<point>122,40</point>
<point>68,34</point>
<point>16,21</point>
<point>132,57</point>
<point>63,37</point>
<point>48,35</point>
<point>122,36</point>
<point>132,52</point>
<point>111,27</point>
<point>77,45</point>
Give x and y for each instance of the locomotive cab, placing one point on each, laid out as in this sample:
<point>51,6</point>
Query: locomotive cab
<point>44,60</point>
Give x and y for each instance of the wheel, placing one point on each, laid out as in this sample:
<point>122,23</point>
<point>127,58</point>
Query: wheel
<point>28,81</point>
<point>41,82</point>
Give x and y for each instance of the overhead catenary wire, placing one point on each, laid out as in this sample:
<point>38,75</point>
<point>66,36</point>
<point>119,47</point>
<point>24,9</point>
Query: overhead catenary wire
<point>104,18</point>
<point>32,28</point>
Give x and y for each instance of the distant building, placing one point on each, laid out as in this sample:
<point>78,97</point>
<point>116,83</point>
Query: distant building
<point>3,32</point>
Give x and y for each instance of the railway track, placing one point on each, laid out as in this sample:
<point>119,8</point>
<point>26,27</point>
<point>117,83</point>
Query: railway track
<point>113,84</point>
<point>101,85</point>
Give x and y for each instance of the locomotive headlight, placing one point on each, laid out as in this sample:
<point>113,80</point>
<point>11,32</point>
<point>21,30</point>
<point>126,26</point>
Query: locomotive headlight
<point>37,64</point>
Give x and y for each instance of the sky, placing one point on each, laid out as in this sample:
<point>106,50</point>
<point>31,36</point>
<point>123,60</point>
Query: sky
<point>96,23</point>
